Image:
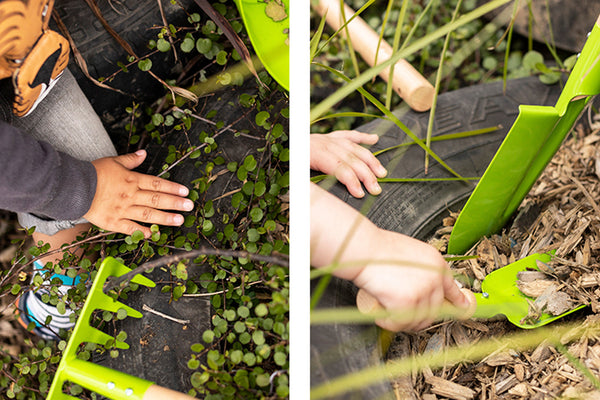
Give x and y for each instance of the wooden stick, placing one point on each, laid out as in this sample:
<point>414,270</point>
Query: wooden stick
<point>155,392</point>
<point>410,85</point>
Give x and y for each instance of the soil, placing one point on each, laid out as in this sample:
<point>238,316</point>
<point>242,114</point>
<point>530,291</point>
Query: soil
<point>560,213</point>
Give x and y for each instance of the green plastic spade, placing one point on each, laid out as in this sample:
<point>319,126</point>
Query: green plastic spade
<point>269,36</point>
<point>500,295</point>
<point>529,146</point>
<point>99,379</point>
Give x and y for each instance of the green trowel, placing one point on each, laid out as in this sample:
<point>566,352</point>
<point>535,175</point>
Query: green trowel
<point>97,378</point>
<point>267,23</point>
<point>529,146</point>
<point>500,295</point>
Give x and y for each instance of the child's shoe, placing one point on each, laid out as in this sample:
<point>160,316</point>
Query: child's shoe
<point>31,308</point>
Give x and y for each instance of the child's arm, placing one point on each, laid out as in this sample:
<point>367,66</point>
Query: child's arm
<point>340,154</point>
<point>400,272</point>
<point>38,179</point>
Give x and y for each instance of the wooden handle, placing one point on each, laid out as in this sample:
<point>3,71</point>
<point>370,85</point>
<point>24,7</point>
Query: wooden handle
<point>410,85</point>
<point>155,392</point>
<point>367,303</point>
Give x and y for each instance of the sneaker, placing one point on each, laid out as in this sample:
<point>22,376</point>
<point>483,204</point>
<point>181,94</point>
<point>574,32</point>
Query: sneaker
<point>31,308</point>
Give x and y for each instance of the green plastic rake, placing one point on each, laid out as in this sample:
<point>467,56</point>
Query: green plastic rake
<point>99,379</point>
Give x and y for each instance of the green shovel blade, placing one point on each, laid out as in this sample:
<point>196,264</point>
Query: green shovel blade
<point>500,295</point>
<point>269,36</point>
<point>529,146</point>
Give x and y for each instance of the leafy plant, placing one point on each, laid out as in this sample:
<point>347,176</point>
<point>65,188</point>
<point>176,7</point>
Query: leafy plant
<point>453,47</point>
<point>245,354</point>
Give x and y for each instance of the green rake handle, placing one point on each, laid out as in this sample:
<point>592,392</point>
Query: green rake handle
<point>113,384</point>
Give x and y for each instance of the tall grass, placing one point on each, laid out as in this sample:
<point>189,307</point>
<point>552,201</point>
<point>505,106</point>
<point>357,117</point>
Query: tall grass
<point>326,109</point>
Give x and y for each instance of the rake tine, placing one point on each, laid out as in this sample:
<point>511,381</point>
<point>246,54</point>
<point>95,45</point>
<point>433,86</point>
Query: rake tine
<point>93,335</point>
<point>114,306</point>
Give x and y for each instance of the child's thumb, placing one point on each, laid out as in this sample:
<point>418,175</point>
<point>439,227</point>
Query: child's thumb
<point>132,160</point>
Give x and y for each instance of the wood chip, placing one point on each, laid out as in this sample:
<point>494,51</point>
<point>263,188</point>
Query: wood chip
<point>535,288</point>
<point>519,370</point>
<point>505,384</point>
<point>590,279</point>
<point>497,359</point>
<point>477,270</point>
<point>519,389</point>
<point>451,390</point>
<point>530,276</point>
<point>541,353</point>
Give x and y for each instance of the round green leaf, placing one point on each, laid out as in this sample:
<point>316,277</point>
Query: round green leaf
<point>145,64</point>
<point>208,336</point>
<point>243,311</point>
<point>187,45</point>
<point>163,45</point>
<point>239,326</point>
<point>258,337</point>
<point>261,310</point>
<point>121,313</point>
<point>262,380</point>
<point>249,359</point>
<point>193,363</point>
<point>256,214</point>
<point>261,118</point>
<point>531,59</point>
<point>236,356</point>
<point>280,358</point>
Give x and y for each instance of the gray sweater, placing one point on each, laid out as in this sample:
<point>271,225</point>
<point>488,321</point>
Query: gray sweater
<point>39,180</point>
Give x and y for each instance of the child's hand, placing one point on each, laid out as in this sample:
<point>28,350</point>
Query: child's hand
<point>416,285</point>
<point>340,154</point>
<point>402,273</point>
<point>123,196</point>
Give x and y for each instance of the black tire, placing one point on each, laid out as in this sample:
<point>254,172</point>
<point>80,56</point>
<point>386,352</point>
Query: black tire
<point>133,20</point>
<point>416,209</point>
<point>160,348</point>
<point>569,23</point>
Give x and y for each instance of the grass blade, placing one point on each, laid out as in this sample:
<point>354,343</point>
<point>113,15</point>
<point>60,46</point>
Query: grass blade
<point>349,114</point>
<point>521,340</point>
<point>395,45</point>
<point>356,83</point>
<point>395,120</point>
<point>314,41</point>
<point>449,136</point>
<point>438,80</point>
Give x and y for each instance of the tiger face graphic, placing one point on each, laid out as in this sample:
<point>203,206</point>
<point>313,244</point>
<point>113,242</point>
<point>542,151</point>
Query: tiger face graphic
<point>30,53</point>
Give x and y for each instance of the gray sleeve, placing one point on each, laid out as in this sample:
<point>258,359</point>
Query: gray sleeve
<point>39,180</point>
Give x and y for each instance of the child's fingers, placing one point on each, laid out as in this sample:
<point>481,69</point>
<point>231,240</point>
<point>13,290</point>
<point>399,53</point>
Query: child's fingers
<point>347,176</point>
<point>430,307</point>
<point>453,293</point>
<point>370,160</point>
<point>356,136</point>
<point>354,168</point>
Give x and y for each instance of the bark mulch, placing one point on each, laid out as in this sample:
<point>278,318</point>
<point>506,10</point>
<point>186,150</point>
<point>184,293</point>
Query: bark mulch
<point>562,213</point>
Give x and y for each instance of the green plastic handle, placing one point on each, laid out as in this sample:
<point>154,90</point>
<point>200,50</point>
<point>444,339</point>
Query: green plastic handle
<point>105,381</point>
<point>584,80</point>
